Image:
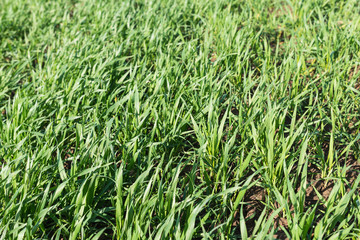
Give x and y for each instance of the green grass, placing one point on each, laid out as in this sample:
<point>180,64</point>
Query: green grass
<point>179,119</point>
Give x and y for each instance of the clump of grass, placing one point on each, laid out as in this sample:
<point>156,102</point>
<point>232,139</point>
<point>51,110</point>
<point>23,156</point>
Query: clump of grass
<point>179,119</point>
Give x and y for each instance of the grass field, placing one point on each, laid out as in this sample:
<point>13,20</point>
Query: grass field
<point>179,119</point>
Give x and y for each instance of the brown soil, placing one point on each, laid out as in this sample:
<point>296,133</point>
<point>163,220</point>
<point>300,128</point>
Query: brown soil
<point>256,195</point>
<point>284,10</point>
<point>354,71</point>
<point>252,210</point>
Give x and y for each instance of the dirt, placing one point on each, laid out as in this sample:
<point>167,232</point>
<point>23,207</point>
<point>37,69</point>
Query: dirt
<point>254,207</point>
<point>68,154</point>
<point>284,10</point>
<point>213,57</point>
<point>353,72</point>
<point>322,186</point>
<point>325,186</point>
<point>256,195</point>
<point>354,170</point>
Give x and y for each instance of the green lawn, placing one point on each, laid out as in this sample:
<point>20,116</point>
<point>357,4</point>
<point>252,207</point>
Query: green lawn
<point>179,119</point>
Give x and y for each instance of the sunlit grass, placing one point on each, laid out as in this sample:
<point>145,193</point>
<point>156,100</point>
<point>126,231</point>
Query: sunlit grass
<point>169,119</point>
